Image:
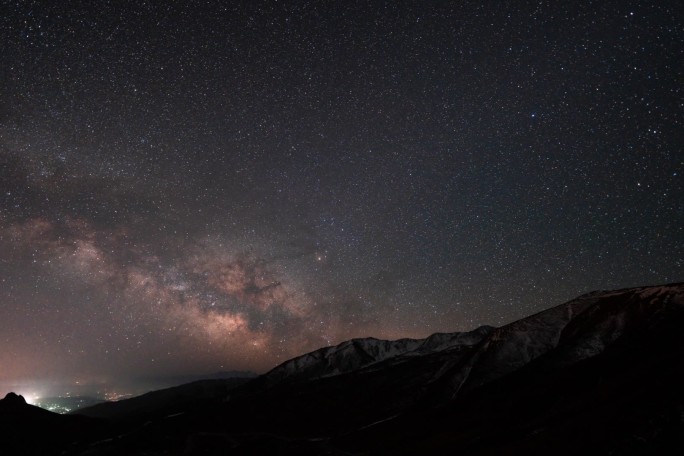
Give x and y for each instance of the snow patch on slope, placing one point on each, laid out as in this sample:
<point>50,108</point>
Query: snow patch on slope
<point>359,353</point>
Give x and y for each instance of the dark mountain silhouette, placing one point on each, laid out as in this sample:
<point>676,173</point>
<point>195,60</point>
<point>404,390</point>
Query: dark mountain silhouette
<point>601,374</point>
<point>28,430</point>
<point>165,402</point>
<point>13,401</point>
<point>159,382</point>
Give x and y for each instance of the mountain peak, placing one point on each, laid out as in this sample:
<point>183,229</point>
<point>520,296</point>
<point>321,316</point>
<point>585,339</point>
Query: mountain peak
<point>14,399</point>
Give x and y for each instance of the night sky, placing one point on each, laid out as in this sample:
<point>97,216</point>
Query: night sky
<point>189,187</point>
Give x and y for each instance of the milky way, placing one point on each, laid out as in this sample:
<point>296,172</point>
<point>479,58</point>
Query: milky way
<point>204,186</point>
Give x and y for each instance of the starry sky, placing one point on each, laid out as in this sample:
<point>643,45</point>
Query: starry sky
<point>197,186</point>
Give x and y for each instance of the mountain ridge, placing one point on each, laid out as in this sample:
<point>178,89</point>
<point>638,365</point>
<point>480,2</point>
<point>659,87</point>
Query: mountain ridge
<point>529,338</point>
<point>601,371</point>
<point>338,359</point>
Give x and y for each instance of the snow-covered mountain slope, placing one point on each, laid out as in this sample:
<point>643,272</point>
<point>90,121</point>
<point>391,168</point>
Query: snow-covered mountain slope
<point>356,354</point>
<point>568,333</point>
<point>572,331</point>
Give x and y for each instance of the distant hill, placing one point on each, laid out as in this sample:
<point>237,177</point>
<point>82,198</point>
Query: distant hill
<point>176,380</point>
<point>600,374</point>
<point>165,402</point>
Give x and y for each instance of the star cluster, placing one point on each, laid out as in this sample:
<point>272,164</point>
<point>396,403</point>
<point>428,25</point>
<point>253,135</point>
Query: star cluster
<point>199,186</point>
